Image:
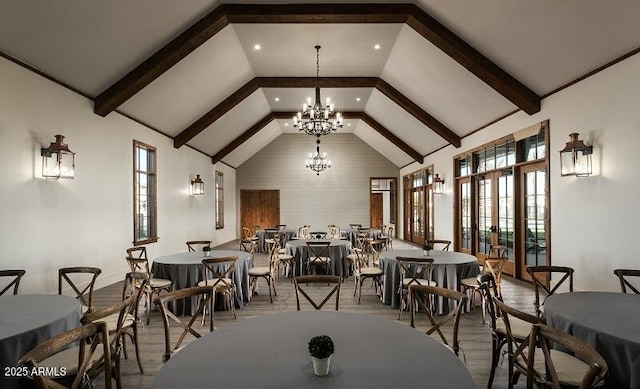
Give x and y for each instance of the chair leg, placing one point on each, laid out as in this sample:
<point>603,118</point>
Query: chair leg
<point>495,356</point>
<point>269,286</point>
<point>137,346</point>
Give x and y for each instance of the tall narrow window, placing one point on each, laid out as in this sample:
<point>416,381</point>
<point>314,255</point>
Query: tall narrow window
<point>219,200</point>
<point>144,194</point>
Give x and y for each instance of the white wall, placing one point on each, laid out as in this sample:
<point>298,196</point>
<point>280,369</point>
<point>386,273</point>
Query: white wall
<point>88,221</point>
<point>339,195</point>
<point>593,219</point>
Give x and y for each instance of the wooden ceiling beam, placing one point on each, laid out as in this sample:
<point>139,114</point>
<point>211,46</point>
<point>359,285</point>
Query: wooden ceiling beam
<point>243,138</point>
<point>317,13</point>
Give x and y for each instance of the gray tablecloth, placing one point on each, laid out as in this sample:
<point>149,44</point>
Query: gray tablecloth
<point>185,270</point>
<point>272,352</point>
<point>262,246</point>
<point>608,322</point>
<point>352,234</point>
<point>28,320</point>
<point>448,268</point>
<point>338,251</point>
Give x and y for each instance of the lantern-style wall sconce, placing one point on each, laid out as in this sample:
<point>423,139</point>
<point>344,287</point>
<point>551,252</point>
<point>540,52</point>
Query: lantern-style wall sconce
<point>575,158</point>
<point>197,186</point>
<point>438,185</point>
<point>57,160</point>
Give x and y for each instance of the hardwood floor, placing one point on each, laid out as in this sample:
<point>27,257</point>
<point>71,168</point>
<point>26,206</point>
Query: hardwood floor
<point>475,338</point>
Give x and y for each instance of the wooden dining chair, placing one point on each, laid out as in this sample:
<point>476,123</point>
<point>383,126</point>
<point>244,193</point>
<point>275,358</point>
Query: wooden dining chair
<point>413,271</point>
<point>138,262</point>
<point>319,281</point>
<point>198,245</point>
<point>14,277</point>
<point>541,276</point>
<point>89,353</point>
<point>205,296</point>
<point>268,273</point>
<point>362,271</point>
<point>74,276</point>
<point>318,256</point>
<point>219,275</point>
<point>578,365</point>
<point>423,296</point>
<point>623,276</point>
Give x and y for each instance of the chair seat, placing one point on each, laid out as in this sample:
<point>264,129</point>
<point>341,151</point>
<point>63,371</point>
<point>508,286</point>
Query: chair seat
<point>112,321</point>
<point>520,329</point>
<point>570,369</point>
<point>471,282</point>
<point>371,271</point>
<point>160,283</point>
<point>259,271</point>
<point>219,286</point>
<point>421,281</point>
<point>285,257</point>
<point>282,251</point>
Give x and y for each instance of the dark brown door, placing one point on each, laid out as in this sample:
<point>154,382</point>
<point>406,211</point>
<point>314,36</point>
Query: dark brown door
<point>376,209</point>
<point>260,208</point>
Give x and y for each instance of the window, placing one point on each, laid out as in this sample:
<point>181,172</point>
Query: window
<point>144,194</point>
<point>219,200</point>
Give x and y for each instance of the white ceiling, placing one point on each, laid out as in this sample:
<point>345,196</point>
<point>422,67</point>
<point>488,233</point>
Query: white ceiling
<point>544,44</point>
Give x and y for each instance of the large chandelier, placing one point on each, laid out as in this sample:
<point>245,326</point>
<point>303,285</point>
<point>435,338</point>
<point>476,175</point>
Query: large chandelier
<point>317,119</point>
<point>317,162</point>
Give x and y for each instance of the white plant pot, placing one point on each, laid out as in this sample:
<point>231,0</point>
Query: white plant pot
<point>321,365</point>
<point>207,253</point>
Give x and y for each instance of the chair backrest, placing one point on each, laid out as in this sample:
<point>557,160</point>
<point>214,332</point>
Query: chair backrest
<point>248,245</point>
<point>269,233</point>
<point>198,245</point>
<point>281,227</point>
<point>374,246</point>
<point>133,282</point>
<point>623,276</point>
<point>218,271</point>
<point>494,264</point>
<point>246,233</point>
<point>74,276</point>
<point>334,232</point>
<point>317,280</point>
<point>415,269</point>
<point>205,295</point>
<point>438,244</point>
<point>391,230</point>
<point>316,250</point>
<point>14,277</point>
<point>89,338</point>
<point>541,276</point>
<point>138,264</point>
<point>544,337</point>
<point>359,259</point>
<point>355,226</point>
<point>137,252</point>
<point>423,295</point>
<point>488,289</point>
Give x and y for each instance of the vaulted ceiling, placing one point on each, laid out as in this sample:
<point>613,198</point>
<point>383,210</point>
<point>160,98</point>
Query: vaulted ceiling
<point>442,69</point>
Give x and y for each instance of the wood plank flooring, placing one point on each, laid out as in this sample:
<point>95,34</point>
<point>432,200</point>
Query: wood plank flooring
<point>475,338</point>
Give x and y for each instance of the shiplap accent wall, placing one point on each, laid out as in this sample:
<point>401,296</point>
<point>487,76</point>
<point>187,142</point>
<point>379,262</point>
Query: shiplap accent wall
<point>339,195</point>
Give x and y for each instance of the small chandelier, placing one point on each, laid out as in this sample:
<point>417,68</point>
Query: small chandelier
<point>317,119</point>
<point>575,158</point>
<point>317,162</point>
<point>197,186</point>
<point>57,160</point>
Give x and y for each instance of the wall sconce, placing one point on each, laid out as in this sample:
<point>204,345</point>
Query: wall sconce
<point>197,186</point>
<point>57,160</point>
<point>575,158</point>
<point>438,185</point>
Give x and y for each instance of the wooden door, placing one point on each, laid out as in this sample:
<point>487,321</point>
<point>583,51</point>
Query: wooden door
<point>376,209</point>
<point>260,208</point>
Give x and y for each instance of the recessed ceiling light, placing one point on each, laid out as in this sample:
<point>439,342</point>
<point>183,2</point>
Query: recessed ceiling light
<point>286,124</point>
<point>377,47</point>
<point>257,47</point>
<point>349,124</point>
<point>357,99</point>
<point>277,99</point>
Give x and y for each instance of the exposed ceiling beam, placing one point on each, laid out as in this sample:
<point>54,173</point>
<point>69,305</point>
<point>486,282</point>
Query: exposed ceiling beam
<point>309,82</point>
<point>224,14</point>
<point>289,114</point>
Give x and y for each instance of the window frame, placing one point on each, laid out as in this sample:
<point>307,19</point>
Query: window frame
<point>152,206</point>
<point>219,200</point>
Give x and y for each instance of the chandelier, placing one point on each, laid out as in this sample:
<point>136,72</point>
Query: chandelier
<point>317,162</point>
<point>317,119</point>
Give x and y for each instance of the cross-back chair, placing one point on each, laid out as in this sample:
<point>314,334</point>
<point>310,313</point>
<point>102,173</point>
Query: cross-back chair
<point>317,280</point>
<point>318,255</point>
<point>248,245</point>
<point>541,276</point>
<point>134,282</point>
<point>120,318</point>
<point>73,277</point>
<point>422,295</point>
<point>206,297</point>
<point>438,244</point>
<point>517,343</point>
<point>623,276</point>
<point>362,271</point>
<point>219,275</point>
<point>16,275</point>
<point>413,271</point>
<point>91,343</point>
<point>198,245</point>
<point>334,232</point>
<point>374,247</point>
<point>581,367</point>
<point>138,262</point>
<point>391,231</point>
<point>268,273</point>
<point>494,264</point>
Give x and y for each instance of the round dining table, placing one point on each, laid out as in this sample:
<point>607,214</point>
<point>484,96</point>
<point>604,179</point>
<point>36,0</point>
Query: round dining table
<point>448,268</point>
<point>609,323</point>
<point>28,320</point>
<point>186,270</point>
<point>272,352</point>
<point>338,251</point>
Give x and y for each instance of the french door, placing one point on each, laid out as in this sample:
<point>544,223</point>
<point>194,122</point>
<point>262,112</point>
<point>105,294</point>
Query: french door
<point>415,203</point>
<point>533,179</point>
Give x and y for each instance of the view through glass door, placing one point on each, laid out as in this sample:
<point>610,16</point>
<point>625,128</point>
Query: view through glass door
<point>534,181</point>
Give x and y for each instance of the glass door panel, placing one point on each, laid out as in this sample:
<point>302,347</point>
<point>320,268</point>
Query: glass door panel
<point>485,217</point>
<point>464,216</point>
<point>534,181</point>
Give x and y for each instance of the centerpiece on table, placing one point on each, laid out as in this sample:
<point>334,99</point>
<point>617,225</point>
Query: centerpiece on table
<point>321,348</point>
<point>426,249</point>
<point>206,250</point>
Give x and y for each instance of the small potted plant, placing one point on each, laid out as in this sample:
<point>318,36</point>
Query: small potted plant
<point>321,348</point>
<point>426,248</point>
<point>207,250</point>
